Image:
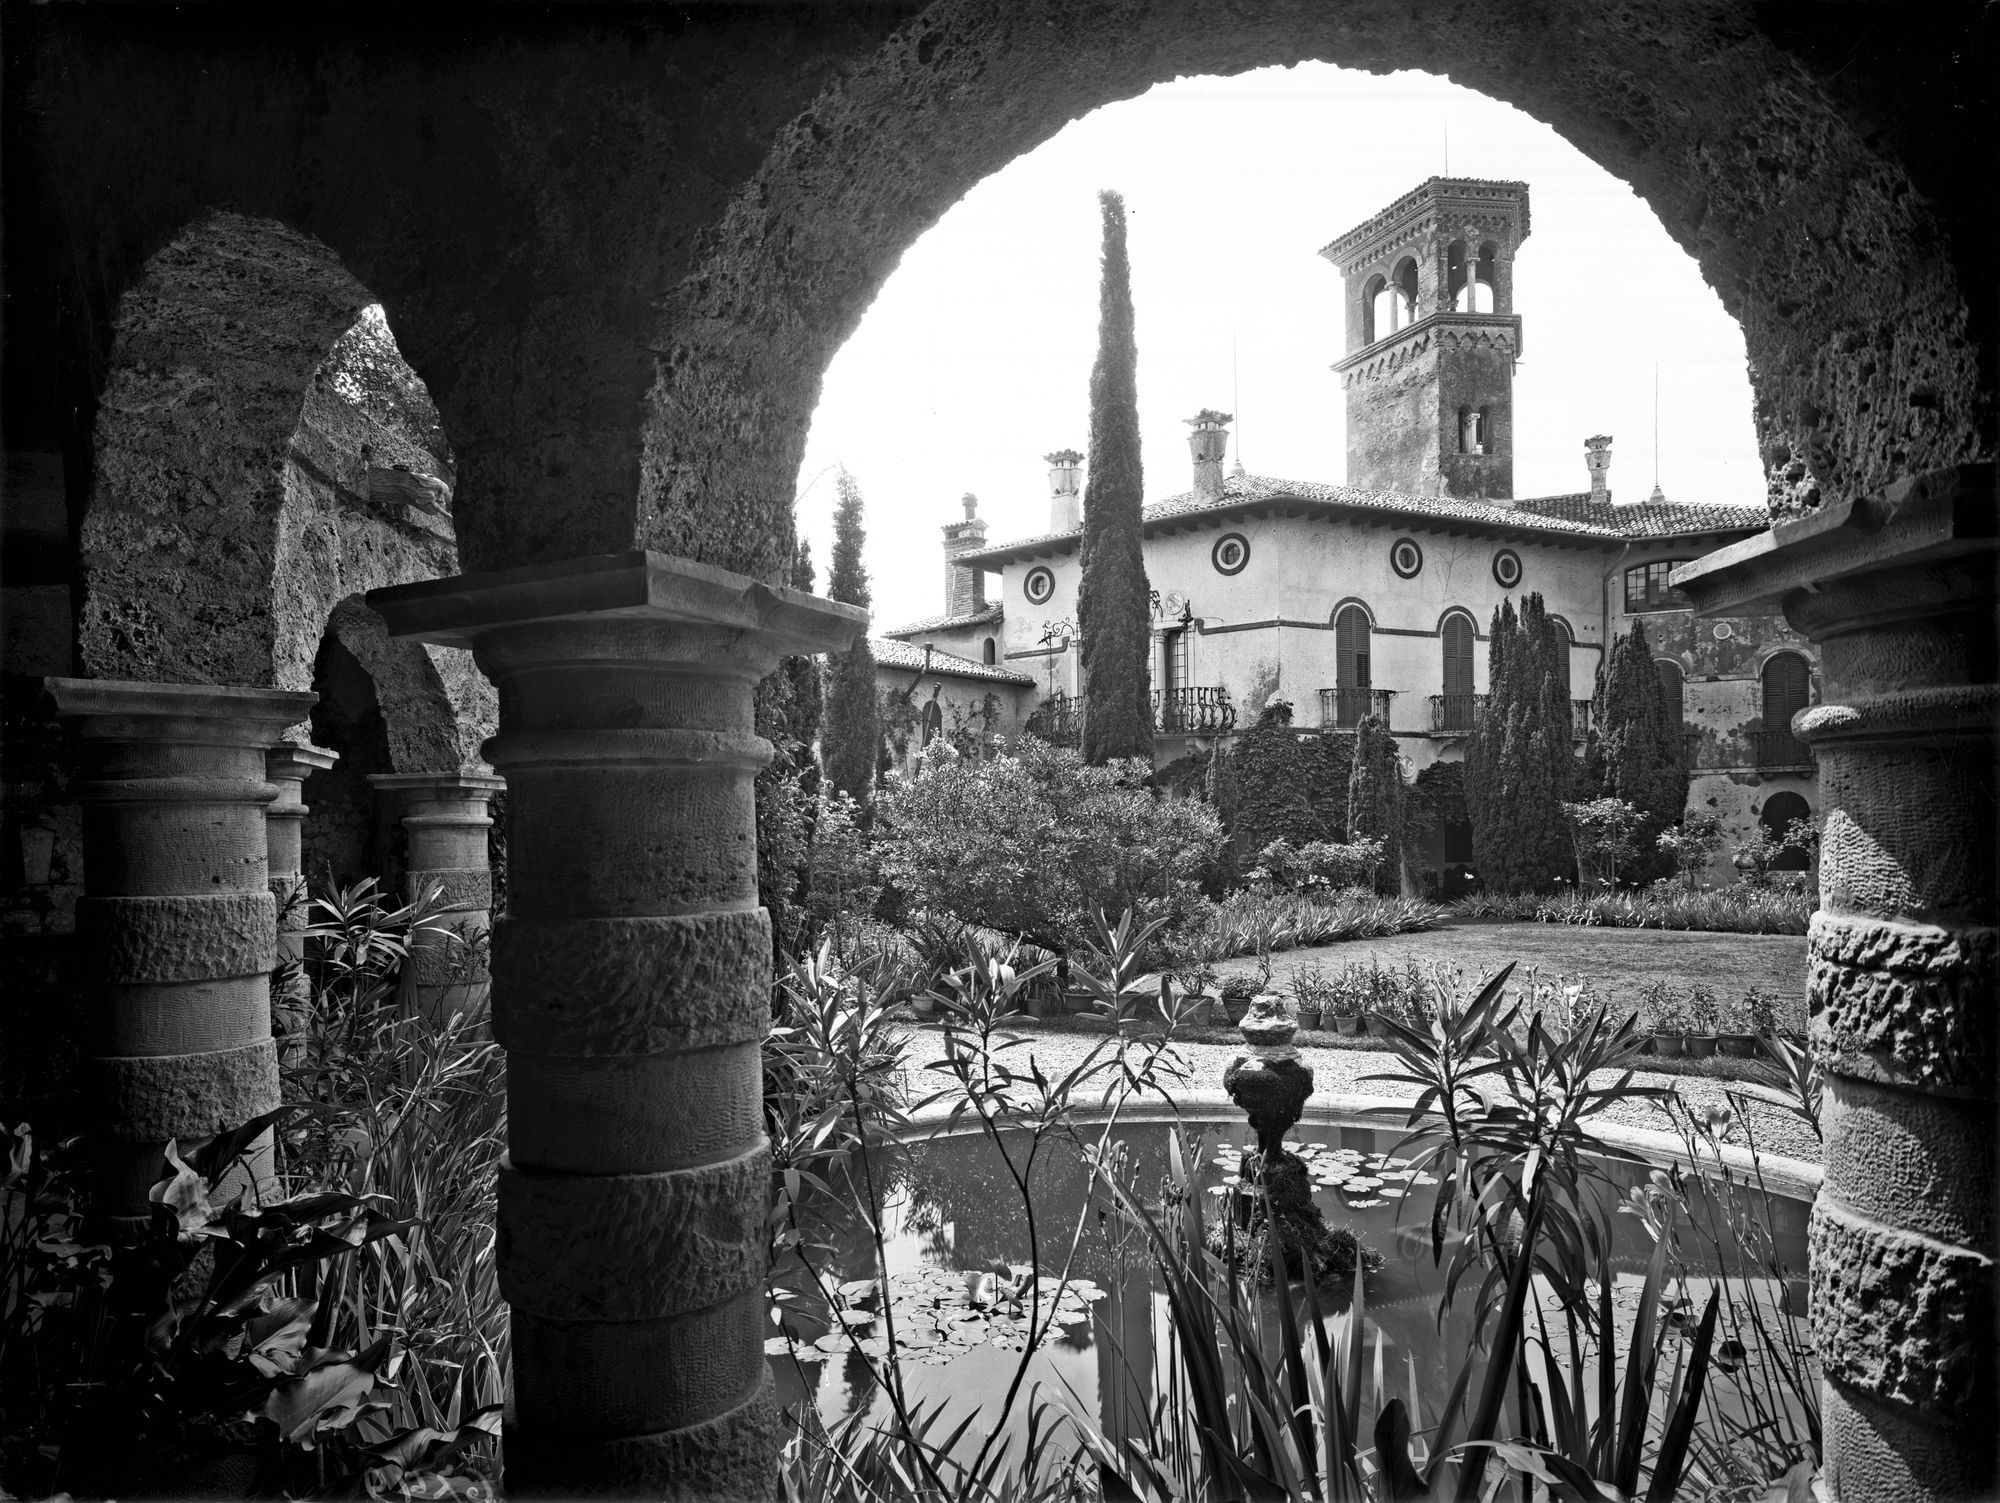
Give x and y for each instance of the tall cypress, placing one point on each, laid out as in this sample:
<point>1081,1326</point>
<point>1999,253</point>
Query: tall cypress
<point>1518,765</point>
<point>1637,755</point>
<point>853,725</point>
<point>1112,608</point>
<point>1375,799</point>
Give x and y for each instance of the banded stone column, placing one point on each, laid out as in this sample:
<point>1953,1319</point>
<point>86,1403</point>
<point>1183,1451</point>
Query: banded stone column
<point>631,980</point>
<point>1898,591</point>
<point>288,766</point>
<point>446,816</point>
<point>177,928</point>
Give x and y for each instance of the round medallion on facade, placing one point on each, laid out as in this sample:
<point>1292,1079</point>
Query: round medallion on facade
<point>1406,558</point>
<point>1039,585</point>
<point>1507,568</point>
<point>1231,553</point>
<point>1724,631</point>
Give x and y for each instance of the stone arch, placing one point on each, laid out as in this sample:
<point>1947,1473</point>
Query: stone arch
<point>261,452</point>
<point>1853,391</point>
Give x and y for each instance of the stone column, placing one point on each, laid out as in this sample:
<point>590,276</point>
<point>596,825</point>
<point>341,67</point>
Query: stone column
<point>1898,591</point>
<point>446,815</point>
<point>631,981</point>
<point>177,928</point>
<point>287,767</point>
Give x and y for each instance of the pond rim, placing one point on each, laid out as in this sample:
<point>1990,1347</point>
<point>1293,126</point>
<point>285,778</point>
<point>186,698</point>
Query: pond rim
<point>1796,1179</point>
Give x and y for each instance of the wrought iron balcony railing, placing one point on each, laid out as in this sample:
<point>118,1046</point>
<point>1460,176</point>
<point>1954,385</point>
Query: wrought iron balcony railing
<point>1193,712</point>
<point>1456,714</point>
<point>1058,720</point>
<point>1769,750</point>
<point>1344,709</point>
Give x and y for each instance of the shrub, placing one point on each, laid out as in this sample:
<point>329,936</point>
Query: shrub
<point>1691,845</point>
<point>1035,843</point>
<point>1317,866</point>
<point>1741,908</point>
<point>1635,752</point>
<point>1604,831</point>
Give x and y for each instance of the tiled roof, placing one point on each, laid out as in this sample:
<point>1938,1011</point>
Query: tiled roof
<point>1550,517</point>
<point>985,616</point>
<point>889,653</point>
<point>1651,519</point>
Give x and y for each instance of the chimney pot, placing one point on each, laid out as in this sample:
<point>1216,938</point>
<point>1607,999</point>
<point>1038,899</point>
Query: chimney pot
<point>1597,455</point>
<point>1065,490</point>
<point>1209,443</point>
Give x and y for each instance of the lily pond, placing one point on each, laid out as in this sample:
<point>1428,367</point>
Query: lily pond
<point>961,1259</point>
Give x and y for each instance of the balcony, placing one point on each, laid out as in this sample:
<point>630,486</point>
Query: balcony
<point>1058,720</point>
<point>1344,709</point>
<point>1456,714</point>
<point>1460,714</point>
<point>1780,749</point>
<point>1768,751</point>
<point>1193,712</point>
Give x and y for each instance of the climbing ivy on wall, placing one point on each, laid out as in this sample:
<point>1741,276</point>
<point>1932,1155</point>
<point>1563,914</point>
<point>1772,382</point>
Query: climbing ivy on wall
<point>1375,799</point>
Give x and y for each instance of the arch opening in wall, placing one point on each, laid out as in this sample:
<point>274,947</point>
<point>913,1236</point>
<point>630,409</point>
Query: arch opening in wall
<point>309,444</point>
<point>1374,312</point>
<point>1673,689</point>
<point>1459,711</point>
<point>1775,819</point>
<point>1470,276</point>
<point>989,652</point>
<point>1354,670</point>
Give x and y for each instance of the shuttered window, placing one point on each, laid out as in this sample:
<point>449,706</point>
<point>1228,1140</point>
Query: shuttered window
<point>1787,690</point>
<point>1458,640</point>
<point>1350,641</point>
<point>1670,684</point>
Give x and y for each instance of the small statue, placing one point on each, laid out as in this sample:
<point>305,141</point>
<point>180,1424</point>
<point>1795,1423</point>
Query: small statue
<point>1271,1083</point>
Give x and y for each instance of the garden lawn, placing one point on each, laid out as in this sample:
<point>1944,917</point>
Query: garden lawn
<point>1616,962</point>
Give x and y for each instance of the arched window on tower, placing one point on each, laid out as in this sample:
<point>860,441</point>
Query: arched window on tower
<point>1393,304</point>
<point>1374,309</point>
<point>1471,430</point>
<point>987,651</point>
<point>1471,277</point>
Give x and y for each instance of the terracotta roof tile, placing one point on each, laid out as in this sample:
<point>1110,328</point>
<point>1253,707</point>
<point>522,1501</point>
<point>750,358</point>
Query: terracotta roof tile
<point>890,653</point>
<point>983,617</point>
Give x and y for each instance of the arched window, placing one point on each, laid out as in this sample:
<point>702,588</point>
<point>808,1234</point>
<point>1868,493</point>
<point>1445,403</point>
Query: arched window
<point>1780,809</point>
<point>1471,430</point>
<point>1351,673</point>
<point>1671,681</point>
<point>1787,690</point>
<point>1565,639</point>
<point>1471,278</point>
<point>1392,305</point>
<point>1460,709</point>
<point>1646,588</point>
<point>1374,310</point>
<point>987,653</point>
<point>933,722</point>
<point>1406,293</point>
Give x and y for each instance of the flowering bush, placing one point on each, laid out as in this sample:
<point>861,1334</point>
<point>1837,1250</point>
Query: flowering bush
<point>1036,843</point>
<point>1692,844</point>
<point>1318,866</point>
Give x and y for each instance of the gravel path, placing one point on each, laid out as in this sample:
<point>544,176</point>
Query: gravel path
<point>1340,1071</point>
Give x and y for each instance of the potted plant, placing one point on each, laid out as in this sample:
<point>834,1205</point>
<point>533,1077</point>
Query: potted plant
<point>1669,1021</point>
<point>1739,1044</point>
<point>1237,994</point>
<point>1312,988</point>
<point>1761,1012</point>
<point>1704,1018</point>
<point>1309,1014</point>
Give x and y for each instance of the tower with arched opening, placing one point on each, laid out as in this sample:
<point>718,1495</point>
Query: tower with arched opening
<point>1432,337</point>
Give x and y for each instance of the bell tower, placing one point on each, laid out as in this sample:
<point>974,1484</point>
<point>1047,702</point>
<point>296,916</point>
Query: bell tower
<point>1432,337</point>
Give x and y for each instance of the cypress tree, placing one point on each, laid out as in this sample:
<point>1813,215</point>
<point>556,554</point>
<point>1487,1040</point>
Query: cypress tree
<point>1375,799</point>
<point>852,737</point>
<point>1637,753</point>
<point>1518,763</point>
<point>1112,608</point>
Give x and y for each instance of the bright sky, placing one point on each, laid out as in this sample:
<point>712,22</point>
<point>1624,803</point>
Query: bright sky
<point>975,359</point>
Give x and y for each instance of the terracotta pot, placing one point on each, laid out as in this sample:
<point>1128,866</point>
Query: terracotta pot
<point>1309,1018</point>
<point>1348,1026</point>
<point>1236,1010</point>
<point>1197,1013</point>
<point>1739,1045</point>
<point>1699,1045</point>
<point>1377,1026</point>
<point>1669,1045</point>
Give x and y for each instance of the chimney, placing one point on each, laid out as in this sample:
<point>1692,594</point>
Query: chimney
<point>1209,442</point>
<point>964,586</point>
<point>1065,492</point>
<point>1597,454</point>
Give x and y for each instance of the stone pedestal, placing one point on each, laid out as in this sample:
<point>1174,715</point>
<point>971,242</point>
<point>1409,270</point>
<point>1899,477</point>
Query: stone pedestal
<point>446,816</point>
<point>631,982</point>
<point>177,928</point>
<point>287,767</point>
<point>1898,592</point>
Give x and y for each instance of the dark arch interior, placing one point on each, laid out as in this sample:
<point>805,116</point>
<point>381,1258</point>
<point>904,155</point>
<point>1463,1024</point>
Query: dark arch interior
<point>1779,810</point>
<point>349,832</point>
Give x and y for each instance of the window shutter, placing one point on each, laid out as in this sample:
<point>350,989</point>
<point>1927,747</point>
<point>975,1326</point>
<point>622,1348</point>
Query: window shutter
<point>1458,641</point>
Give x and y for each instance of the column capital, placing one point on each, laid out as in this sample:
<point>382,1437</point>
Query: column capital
<point>640,586</point>
<point>293,762</point>
<point>438,784</point>
<point>106,709</point>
